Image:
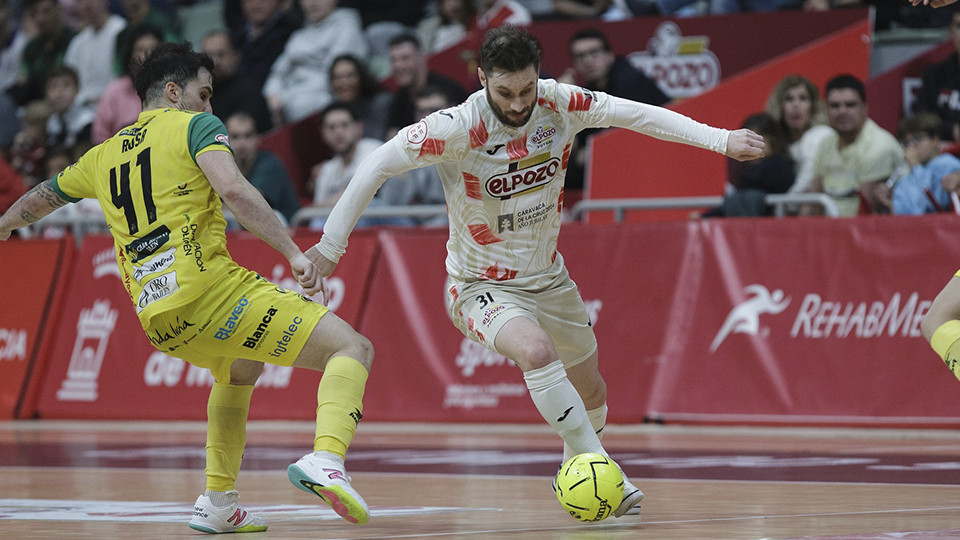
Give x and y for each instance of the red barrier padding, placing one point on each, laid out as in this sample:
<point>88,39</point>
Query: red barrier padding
<point>103,366</point>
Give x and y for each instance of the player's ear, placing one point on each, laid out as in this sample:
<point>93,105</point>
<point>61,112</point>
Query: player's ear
<point>172,91</point>
<point>482,76</point>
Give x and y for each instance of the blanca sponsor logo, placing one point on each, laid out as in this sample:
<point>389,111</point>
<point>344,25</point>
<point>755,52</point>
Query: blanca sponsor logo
<point>149,244</point>
<point>286,337</point>
<point>157,288</point>
<point>744,318</point>
<point>506,185</point>
<point>233,321</point>
<point>681,66</point>
<point>253,340</point>
<point>155,265</point>
<point>13,344</point>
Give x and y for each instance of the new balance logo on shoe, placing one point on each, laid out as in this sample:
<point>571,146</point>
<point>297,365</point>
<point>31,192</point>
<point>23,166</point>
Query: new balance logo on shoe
<point>334,474</point>
<point>237,517</point>
<point>564,415</point>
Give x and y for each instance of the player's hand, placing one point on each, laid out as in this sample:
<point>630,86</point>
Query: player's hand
<point>309,277</point>
<point>323,264</point>
<point>934,3</point>
<point>744,145</point>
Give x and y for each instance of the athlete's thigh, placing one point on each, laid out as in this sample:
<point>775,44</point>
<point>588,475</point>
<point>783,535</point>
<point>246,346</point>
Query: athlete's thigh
<point>563,315</point>
<point>480,309</point>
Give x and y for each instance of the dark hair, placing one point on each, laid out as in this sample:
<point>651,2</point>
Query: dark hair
<point>369,86</point>
<point>765,125</point>
<point>844,81</point>
<point>169,62</point>
<point>136,32</point>
<point>56,72</point>
<point>405,37</point>
<point>30,4</point>
<point>509,48</point>
<point>591,33</point>
<point>340,106</point>
<point>922,122</point>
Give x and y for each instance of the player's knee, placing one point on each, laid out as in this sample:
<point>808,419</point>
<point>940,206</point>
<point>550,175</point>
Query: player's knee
<point>535,354</point>
<point>361,350</point>
<point>928,326</point>
<point>245,372</point>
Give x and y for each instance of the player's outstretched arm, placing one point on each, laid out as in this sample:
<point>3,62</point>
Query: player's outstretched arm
<point>33,205</point>
<point>934,3</point>
<point>744,145</point>
<point>246,203</point>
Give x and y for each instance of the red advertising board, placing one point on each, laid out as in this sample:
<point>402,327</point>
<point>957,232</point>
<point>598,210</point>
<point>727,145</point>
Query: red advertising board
<point>29,272</point>
<point>103,366</point>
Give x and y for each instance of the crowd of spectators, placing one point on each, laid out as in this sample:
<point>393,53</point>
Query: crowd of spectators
<point>364,64</point>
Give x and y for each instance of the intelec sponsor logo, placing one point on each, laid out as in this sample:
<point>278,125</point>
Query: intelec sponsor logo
<point>233,321</point>
<point>287,337</point>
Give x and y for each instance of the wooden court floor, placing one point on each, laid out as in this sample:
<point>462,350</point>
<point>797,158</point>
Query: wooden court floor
<point>139,480</point>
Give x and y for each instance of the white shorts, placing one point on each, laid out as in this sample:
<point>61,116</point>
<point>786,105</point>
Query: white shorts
<point>481,308</point>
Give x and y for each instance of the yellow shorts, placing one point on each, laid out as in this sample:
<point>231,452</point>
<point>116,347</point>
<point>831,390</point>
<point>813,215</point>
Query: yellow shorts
<point>241,315</point>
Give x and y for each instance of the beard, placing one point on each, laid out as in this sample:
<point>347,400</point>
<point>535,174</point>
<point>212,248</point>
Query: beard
<point>516,120</point>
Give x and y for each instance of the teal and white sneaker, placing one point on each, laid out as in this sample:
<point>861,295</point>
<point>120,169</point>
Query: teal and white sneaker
<point>327,479</point>
<point>224,519</point>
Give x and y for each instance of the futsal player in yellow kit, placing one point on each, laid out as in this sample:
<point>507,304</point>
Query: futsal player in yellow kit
<point>159,182</point>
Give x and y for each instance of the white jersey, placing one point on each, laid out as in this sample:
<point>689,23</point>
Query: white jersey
<point>504,185</point>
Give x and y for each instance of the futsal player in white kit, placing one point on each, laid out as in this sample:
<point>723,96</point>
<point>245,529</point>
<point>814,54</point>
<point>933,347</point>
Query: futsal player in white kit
<point>502,156</point>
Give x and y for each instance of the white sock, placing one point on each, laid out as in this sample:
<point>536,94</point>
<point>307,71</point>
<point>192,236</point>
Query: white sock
<point>561,406</point>
<point>221,498</point>
<point>598,419</point>
<point>329,455</point>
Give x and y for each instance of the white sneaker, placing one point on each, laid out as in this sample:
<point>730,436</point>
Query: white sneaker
<point>328,479</point>
<point>631,500</point>
<point>227,519</point>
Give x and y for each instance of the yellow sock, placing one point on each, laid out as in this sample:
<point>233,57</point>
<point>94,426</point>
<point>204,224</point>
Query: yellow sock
<point>946,342</point>
<point>339,404</point>
<point>227,409</point>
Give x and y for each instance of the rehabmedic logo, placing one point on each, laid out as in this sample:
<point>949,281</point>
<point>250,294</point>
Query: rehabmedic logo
<point>820,318</point>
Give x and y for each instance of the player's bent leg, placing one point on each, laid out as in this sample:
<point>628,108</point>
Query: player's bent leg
<point>941,327</point>
<point>345,357</point>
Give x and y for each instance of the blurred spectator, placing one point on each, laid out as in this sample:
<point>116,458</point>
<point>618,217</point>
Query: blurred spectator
<point>91,50</point>
<point>120,106</point>
<point>262,38</point>
<point>14,40</point>
<point>234,91</point>
<point>11,185</point>
<point>409,70</point>
<point>342,131</point>
<point>795,103</point>
<point>826,5</point>
<point>705,7</point>
<point>596,67</point>
<point>405,12</point>
<point>299,84</point>
<point>264,170</point>
<point>853,164</point>
<point>448,26</point>
<point>921,190</point>
<point>495,13</point>
<point>142,11</point>
<point>940,90</point>
<point>30,143</point>
<point>42,52</point>
<point>70,120</point>
<point>422,185</point>
<point>351,83</point>
<point>582,9</point>
<point>10,124</point>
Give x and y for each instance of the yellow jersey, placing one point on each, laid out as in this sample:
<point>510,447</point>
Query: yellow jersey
<point>166,219</point>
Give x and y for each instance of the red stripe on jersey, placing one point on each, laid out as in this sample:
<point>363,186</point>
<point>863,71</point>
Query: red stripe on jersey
<point>432,147</point>
<point>517,148</point>
<point>553,258</point>
<point>493,273</point>
<point>544,102</point>
<point>566,156</point>
<point>454,293</point>
<point>560,202</point>
<point>483,235</point>
<point>472,185</point>
<point>579,102</point>
<point>478,135</point>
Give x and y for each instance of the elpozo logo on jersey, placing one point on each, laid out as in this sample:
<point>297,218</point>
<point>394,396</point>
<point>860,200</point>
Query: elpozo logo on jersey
<point>506,185</point>
<point>819,318</point>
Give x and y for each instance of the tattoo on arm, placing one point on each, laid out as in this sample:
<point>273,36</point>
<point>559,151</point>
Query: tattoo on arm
<point>46,192</point>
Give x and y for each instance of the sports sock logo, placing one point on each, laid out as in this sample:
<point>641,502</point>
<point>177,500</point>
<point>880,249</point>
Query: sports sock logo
<point>356,415</point>
<point>564,415</point>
